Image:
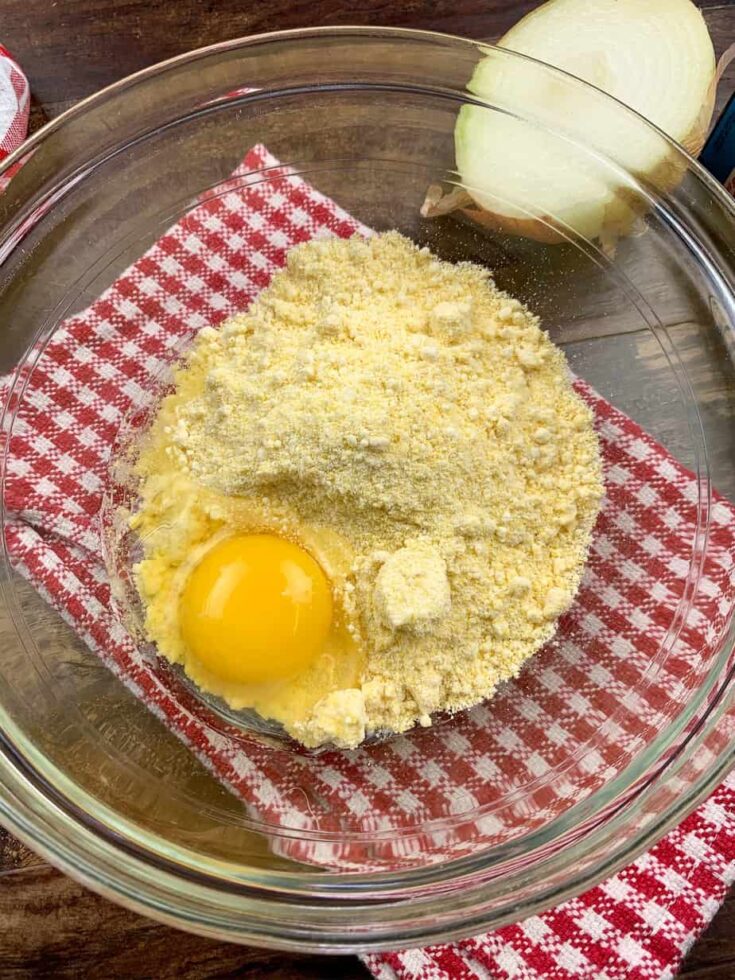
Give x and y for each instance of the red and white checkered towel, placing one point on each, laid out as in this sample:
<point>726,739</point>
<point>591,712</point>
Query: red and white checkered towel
<point>15,98</point>
<point>626,660</point>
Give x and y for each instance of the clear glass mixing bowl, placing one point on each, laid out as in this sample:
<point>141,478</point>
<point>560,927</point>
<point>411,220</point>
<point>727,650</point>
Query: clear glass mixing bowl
<point>605,740</point>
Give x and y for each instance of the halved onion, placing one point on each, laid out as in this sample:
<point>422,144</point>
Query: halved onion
<point>529,169</point>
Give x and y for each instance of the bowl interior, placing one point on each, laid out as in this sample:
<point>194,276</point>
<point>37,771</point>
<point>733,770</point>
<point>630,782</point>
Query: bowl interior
<point>634,660</point>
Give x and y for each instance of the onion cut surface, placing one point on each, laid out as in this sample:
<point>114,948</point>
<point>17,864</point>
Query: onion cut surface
<point>656,56</point>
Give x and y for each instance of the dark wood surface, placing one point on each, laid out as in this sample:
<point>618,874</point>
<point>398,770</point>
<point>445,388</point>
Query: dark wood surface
<point>51,926</point>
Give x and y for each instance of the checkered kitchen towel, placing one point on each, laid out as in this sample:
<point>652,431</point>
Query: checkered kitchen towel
<point>601,683</point>
<point>15,98</point>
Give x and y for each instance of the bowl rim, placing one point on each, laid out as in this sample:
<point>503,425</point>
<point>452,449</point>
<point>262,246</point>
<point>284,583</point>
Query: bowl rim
<point>19,817</point>
<point>346,30</point>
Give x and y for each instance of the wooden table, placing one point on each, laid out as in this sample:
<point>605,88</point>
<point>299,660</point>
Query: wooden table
<point>70,48</point>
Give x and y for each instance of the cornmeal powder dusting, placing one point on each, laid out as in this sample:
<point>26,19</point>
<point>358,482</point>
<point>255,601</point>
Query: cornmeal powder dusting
<point>421,417</point>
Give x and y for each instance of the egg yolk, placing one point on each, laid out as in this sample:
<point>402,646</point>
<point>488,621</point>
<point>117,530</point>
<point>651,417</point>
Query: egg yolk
<point>255,609</point>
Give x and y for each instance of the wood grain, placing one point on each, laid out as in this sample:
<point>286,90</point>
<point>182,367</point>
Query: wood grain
<point>54,927</point>
<point>51,926</point>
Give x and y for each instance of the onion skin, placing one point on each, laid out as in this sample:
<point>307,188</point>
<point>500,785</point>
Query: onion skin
<point>539,229</point>
<point>623,213</point>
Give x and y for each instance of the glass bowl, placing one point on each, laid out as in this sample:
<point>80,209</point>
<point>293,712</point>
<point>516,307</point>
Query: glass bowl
<point>609,735</point>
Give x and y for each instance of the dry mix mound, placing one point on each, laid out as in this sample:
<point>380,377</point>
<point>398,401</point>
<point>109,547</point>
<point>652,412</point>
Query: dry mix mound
<point>415,429</point>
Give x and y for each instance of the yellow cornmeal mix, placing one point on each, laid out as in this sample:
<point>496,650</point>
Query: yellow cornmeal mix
<point>414,429</point>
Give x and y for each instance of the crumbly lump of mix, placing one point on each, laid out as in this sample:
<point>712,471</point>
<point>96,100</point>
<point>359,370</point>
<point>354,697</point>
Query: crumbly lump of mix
<point>413,428</point>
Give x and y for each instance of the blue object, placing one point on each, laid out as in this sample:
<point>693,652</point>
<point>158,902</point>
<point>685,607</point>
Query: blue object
<point>718,155</point>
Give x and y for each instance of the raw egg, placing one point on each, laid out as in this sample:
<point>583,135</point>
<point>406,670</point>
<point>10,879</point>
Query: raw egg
<point>257,608</point>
